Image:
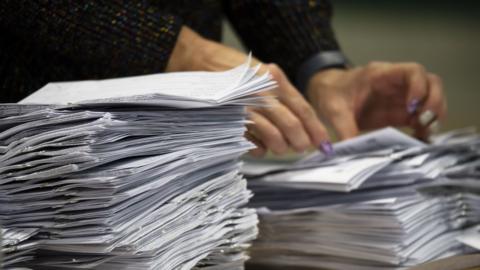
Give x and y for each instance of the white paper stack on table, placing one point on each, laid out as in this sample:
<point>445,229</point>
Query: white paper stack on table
<point>133,173</point>
<point>380,203</point>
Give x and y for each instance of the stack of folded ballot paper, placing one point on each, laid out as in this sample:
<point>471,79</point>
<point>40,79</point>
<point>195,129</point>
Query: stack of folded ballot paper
<point>384,201</point>
<point>17,246</point>
<point>132,173</point>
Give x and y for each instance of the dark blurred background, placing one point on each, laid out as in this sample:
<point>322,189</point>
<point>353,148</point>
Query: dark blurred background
<point>444,36</point>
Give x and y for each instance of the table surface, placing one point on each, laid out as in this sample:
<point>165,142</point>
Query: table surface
<point>463,262</point>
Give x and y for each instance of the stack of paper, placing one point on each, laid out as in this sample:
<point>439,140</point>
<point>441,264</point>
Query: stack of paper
<point>135,173</point>
<point>460,184</point>
<point>363,208</point>
<point>17,247</point>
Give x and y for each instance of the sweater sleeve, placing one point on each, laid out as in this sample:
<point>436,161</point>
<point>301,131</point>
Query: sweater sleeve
<point>285,32</point>
<point>106,38</point>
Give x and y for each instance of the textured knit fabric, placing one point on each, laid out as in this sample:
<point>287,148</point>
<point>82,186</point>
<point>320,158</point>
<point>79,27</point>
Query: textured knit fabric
<point>47,40</point>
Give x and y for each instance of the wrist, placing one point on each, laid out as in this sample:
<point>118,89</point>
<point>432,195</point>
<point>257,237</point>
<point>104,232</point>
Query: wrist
<point>322,61</point>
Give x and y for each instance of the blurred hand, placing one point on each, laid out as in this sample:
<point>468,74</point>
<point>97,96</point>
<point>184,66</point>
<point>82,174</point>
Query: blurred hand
<point>377,95</point>
<point>288,121</point>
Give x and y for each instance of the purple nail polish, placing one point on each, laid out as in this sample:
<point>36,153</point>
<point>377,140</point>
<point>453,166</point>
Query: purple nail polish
<point>413,106</point>
<point>326,147</point>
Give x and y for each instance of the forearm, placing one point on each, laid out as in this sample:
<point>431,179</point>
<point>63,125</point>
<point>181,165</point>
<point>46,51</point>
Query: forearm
<point>192,52</point>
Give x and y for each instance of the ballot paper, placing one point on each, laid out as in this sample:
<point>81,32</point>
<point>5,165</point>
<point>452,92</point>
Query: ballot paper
<point>17,246</point>
<point>471,237</point>
<point>384,201</point>
<point>181,89</point>
<point>131,173</point>
<point>355,162</point>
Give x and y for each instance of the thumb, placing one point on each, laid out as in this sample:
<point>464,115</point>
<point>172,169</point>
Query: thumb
<point>342,118</point>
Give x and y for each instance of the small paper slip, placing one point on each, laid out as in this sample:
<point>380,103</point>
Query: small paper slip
<point>345,177</point>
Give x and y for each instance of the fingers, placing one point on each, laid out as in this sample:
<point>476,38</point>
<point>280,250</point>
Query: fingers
<point>424,99</point>
<point>315,130</point>
<point>417,82</point>
<point>289,122</point>
<point>433,110</point>
<point>267,133</point>
<point>289,125</point>
<point>435,101</point>
<point>260,149</point>
<point>308,127</point>
<point>410,77</point>
<point>424,91</point>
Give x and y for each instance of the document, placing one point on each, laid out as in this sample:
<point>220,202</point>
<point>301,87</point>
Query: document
<point>182,89</point>
<point>129,173</point>
<point>384,201</point>
<point>471,237</point>
<point>17,246</point>
<point>354,162</point>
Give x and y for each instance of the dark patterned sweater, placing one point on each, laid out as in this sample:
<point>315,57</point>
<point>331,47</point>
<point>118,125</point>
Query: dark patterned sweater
<point>47,40</point>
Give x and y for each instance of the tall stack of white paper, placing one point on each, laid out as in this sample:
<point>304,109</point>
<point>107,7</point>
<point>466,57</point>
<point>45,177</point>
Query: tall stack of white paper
<point>17,246</point>
<point>381,203</point>
<point>134,173</point>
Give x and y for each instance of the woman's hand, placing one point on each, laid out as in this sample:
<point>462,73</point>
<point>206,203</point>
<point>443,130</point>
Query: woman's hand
<point>287,122</point>
<point>377,95</point>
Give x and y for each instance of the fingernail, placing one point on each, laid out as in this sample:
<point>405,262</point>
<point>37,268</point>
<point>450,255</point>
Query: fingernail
<point>327,148</point>
<point>413,106</point>
<point>426,117</point>
<point>434,127</point>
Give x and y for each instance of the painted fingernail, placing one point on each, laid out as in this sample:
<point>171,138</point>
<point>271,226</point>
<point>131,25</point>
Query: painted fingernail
<point>413,106</point>
<point>327,148</point>
<point>434,127</point>
<point>426,117</point>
